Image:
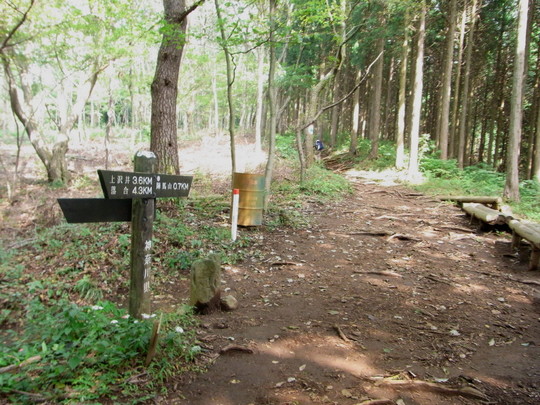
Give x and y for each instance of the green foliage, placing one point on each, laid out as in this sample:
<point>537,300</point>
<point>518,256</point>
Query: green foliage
<point>449,179</point>
<point>286,145</point>
<point>288,197</point>
<point>88,352</point>
<point>189,231</point>
<point>324,184</point>
<point>444,177</point>
<point>437,168</point>
<point>530,200</point>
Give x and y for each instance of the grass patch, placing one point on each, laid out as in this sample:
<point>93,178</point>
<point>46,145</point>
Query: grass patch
<point>88,352</point>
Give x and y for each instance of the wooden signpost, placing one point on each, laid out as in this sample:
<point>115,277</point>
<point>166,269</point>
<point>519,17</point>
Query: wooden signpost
<point>130,196</point>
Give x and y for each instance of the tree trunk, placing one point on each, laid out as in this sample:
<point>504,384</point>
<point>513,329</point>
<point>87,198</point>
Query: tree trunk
<point>511,188</point>
<point>353,147</point>
<point>465,94</point>
<point>164,88</point>
<point>444,109</point>
<point>230,82</point>
<point>52,156</point>
<point>402,98</point>
<point>413,171</point>
<point>336,111</point>
<point>272,104</point>
<point>260,98</point>
<point>536,156</point>
<point>375,110</point>
<point>535,117</point>
<point>457,85</point>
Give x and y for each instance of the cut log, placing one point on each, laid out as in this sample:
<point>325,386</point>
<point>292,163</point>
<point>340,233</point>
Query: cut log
<point>485,214</point>
<point>529,231</point>
<point>493,202</point>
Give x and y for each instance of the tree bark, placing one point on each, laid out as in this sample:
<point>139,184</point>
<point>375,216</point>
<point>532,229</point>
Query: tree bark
<point>334,120</point>
<point>164,88</point>
<point>465,94</point>
<point>260,98</point>
<point>375,111</point>
<point>457,86</point>
<point>413,171</point>
<point>353,147</point>
<point>272,104</point>
<point>511,188</point>
<point>444,109</point>
<point>402,98</point>
<point>230,82</point>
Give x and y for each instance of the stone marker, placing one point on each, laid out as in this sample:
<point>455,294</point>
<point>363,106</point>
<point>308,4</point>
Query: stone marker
<point>229,303</point>
<point>205,292</point>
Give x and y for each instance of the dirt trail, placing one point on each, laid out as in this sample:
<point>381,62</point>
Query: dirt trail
<point>385,283</point>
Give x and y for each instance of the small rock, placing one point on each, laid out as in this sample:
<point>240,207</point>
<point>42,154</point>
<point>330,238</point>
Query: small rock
<point>229,303</point>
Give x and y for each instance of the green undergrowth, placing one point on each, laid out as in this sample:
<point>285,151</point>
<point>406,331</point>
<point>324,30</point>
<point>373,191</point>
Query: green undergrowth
<point>290,196</point>
<point>51,281</point>
<point>76,353</point>
<point>443,177</point>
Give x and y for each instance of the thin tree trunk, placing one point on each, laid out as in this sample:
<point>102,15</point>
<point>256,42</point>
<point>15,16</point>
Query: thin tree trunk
<point>536,156</point>
<point>334,121</point>
<point>230,82</point>
<point>455,109</point>
<point>272,103</point>
<point>413,171</point>
<point>511,188</point>
<point>402,98</point>
<point>388,104</point>
<point>444,110</point>
<point>375,108</point>
<point>353,147</point>
<point>260,98</point>
<point>465,94</point>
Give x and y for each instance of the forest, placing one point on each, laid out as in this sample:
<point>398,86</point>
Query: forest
<point>459,77</point>
<point>370,281</point>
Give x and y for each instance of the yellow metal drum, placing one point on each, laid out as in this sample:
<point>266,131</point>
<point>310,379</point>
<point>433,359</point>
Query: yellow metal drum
<point>250,207</point>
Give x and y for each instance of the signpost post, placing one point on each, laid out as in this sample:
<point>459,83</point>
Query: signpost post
<point>131,196</point>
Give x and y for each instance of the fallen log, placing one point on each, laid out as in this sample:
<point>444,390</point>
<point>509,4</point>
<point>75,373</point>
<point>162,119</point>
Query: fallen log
<point>529,231</point>
<point>235,348</point>
<point>493,202</point>
<point>485,214</point>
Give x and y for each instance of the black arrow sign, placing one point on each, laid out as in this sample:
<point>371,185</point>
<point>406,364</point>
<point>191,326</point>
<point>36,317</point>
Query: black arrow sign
<point>82,210</point>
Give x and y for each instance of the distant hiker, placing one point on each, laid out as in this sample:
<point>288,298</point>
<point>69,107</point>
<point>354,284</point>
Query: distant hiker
<point>319,145</point>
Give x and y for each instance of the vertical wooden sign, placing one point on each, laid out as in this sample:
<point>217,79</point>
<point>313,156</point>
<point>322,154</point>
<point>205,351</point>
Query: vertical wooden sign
<point>131,196</point>
<point>142,219</point>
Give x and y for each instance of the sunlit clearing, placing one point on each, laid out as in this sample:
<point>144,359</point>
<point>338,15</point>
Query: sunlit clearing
<point>386,177</point>
<point>473,288</point>
<point>325,357</point>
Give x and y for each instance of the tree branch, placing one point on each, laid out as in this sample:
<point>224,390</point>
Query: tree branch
<point>192,8</point>
<point>345,97</point>
<point>16,27</point>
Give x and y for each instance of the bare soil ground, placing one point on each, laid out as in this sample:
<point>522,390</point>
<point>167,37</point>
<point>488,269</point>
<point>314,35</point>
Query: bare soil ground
<point>386,296</point>
<point>385,291</point>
